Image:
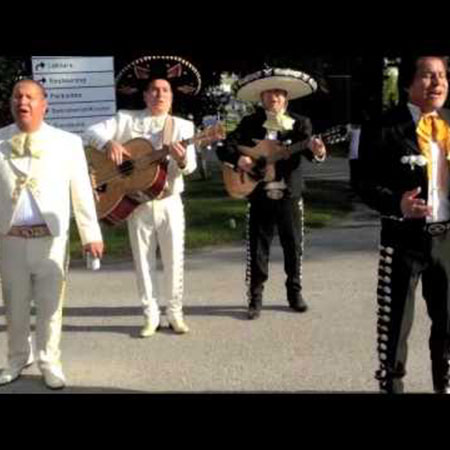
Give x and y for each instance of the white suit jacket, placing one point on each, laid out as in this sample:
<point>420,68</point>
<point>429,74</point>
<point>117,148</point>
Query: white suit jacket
<point>55,179</point>
<point>127,124</point>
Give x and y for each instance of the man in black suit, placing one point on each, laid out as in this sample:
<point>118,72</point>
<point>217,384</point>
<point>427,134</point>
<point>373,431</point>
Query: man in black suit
<point>275,203</point>
<point>405,176</point>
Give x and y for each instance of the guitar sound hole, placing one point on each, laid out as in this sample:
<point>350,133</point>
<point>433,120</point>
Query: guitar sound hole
<point>126,168</point>
<point>258,171</point>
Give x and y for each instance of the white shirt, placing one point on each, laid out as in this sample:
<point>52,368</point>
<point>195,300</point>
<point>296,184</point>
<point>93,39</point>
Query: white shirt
<point>273,136</point>
<point>27,211</point>
<point>155,131</point>
<point>354,143</point>
<point>437,195</point>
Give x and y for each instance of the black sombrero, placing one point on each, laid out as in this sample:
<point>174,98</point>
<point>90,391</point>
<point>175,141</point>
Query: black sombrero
<point>296,83</point>
<point>181,74</point>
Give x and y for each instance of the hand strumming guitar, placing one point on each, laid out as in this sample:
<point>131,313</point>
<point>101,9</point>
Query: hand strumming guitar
<point>115,152</point>
<point>245,163</point>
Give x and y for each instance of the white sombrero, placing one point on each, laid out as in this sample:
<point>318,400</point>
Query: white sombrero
<point>296,83</point>
<point>183,76</point>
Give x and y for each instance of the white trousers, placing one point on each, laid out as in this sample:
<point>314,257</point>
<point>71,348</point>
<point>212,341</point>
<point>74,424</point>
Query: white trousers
<point>33,269</point>
<point>159,222</point>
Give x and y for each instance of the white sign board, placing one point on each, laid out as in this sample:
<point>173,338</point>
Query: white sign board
<point>80,90</point>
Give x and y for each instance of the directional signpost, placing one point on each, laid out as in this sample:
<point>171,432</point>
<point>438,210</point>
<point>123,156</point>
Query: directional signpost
<point>80,90</point>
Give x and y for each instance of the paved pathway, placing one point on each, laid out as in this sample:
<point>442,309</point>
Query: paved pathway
<point>331,348</point>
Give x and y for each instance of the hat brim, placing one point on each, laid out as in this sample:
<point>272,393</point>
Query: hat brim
<point>182,75</point>
<point>296,86</point>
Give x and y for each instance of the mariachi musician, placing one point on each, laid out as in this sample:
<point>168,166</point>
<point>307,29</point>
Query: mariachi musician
<point>156,221</point>
<point>404,159</point>
<point>277,203</point>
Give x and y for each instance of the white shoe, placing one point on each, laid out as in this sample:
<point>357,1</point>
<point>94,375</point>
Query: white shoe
<point>178,325</point>
<point>54,378</point>
<point>149,329</point>
<point>9,374</point>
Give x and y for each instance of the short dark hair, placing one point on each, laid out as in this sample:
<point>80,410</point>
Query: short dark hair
<point>408,69</point>
<point>36,83</point>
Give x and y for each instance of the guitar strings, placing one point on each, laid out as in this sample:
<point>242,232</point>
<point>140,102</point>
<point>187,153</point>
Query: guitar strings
<point>205,135</point>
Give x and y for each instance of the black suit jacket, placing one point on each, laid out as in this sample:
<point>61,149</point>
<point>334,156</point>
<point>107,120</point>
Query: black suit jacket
<point>251,128</point>
<point>384,177</point>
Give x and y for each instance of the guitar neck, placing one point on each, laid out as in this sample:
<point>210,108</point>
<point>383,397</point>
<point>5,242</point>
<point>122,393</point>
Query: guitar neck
<point>165,150</point>
<point>192,140</point>
<point>211,134</point>
<point>304,145</point>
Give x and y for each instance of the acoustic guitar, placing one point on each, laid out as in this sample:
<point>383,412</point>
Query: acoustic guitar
<point>265,154</point>
<point>144,171</point>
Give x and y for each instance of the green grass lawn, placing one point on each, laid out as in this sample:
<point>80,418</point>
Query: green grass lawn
<point>209,211</point>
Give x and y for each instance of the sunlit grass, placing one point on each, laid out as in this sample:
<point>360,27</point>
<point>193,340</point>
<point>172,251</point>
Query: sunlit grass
<point>213,218</point>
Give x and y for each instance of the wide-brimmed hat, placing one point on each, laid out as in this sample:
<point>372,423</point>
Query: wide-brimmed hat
<point>182,75</point>
<point>297,84</point>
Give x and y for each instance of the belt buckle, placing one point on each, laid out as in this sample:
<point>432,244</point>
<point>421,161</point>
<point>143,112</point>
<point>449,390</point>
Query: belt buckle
<point>28,232</point>
<point>435,229</point>
<point>275,194</point>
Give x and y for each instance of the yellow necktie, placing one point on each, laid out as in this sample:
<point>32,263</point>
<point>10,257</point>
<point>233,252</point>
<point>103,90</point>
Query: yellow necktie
<point>432,128</point>
<point>23,145</point>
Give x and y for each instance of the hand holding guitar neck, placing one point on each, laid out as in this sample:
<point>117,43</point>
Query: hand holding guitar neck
<point>116,152</point>
<point>317,146</point>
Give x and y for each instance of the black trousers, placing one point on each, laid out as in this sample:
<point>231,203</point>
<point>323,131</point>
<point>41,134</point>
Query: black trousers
<point>408,253</point>
<point>264,216</point>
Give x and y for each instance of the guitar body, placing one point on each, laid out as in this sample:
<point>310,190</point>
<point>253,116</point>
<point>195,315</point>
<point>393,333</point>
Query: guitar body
<point>240,184</point>
<point>142,171</point>
<point>118,190</point>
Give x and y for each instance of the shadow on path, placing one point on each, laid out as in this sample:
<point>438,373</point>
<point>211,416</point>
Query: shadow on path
<point>34,384</point>
<point>235,312</point>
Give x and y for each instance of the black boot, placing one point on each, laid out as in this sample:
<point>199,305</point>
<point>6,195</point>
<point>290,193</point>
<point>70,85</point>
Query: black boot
<point>441,377</point>
<point>254,309</point>
<point>297,303</point>
<point>392,386</point>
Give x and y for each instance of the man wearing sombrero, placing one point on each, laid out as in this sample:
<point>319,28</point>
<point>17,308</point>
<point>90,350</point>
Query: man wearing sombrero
<point>277,203</point>
<point>156,221</point>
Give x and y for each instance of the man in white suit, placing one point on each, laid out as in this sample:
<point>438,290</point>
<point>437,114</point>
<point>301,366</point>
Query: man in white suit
<point>43,171</point>
<point>156,221</point>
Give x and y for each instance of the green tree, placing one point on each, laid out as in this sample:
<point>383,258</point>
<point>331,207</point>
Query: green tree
<point>390,84</point>
<point>11,70</point>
